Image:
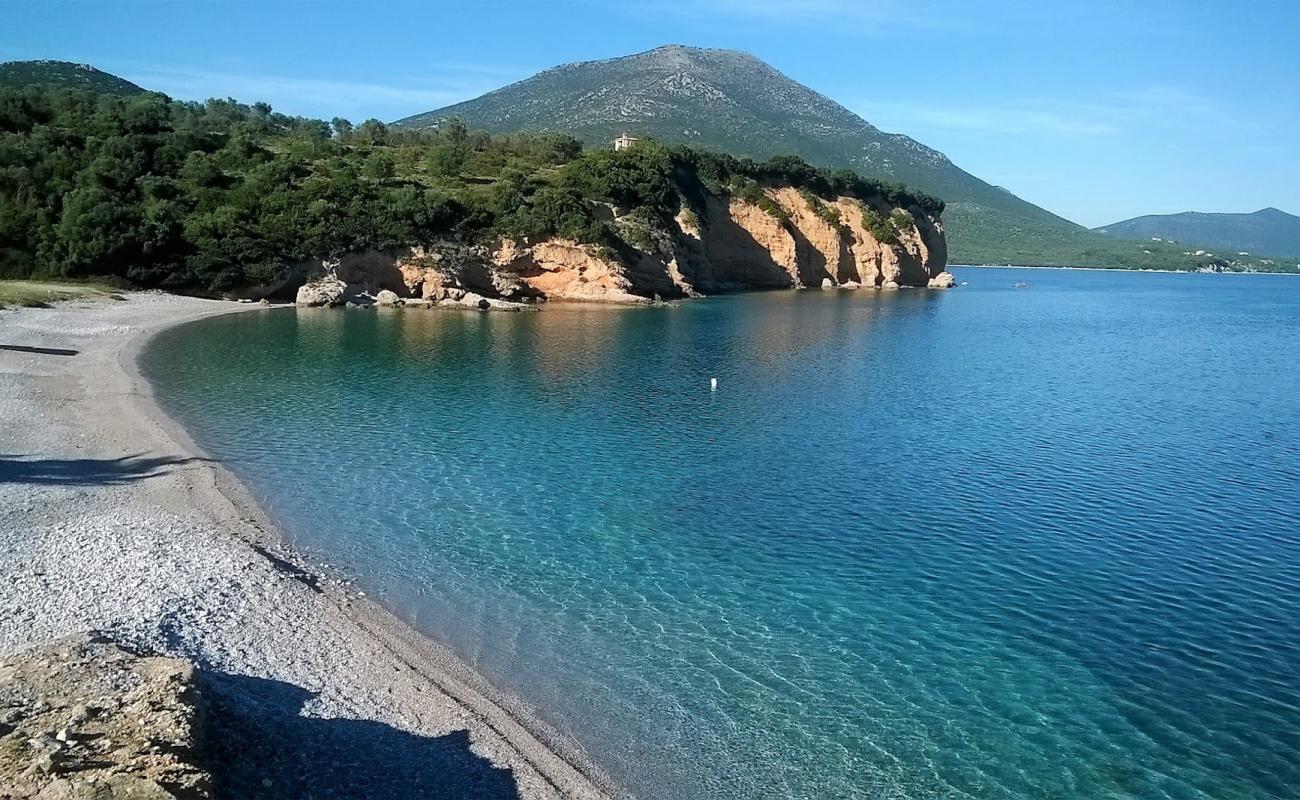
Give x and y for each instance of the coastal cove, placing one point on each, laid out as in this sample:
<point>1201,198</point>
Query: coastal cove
<point>117,523</point>
<point>881,560</point>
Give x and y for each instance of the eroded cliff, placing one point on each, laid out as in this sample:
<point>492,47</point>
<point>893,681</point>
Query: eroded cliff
<point>783,238</point>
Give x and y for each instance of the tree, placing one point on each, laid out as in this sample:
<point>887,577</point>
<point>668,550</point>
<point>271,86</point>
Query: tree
<point>314,129</point>
<point>379,166</point>
<point>453,129</point>
<point>372,132</point>
<point>342,129</point>
<point>445,160</point>
<point>201,172</point>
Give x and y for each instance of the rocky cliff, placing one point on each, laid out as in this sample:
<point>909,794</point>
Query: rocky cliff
<point>783,238</point>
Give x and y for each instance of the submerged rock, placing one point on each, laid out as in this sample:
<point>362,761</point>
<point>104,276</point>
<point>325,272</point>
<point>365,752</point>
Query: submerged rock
<point>473,300</point>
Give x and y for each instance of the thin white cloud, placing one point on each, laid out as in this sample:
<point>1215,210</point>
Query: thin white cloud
<point>324,97</point>
<point>198,85</point>
<point>1158,107</point>
<point>1167,98</point>
<point>1006,119</point>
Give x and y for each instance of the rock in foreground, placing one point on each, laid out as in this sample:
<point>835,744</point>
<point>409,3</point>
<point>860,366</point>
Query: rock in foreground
<point>83,718</point>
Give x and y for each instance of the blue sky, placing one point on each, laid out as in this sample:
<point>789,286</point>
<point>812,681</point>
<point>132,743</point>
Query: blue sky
<point>1098,110</point>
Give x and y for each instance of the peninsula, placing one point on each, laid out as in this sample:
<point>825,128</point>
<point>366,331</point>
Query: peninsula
<point>230,200</point>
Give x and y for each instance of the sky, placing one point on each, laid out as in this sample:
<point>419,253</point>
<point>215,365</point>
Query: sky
<point>1098,111</point>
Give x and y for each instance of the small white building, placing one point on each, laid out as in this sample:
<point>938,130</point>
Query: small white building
<point>624,142</point>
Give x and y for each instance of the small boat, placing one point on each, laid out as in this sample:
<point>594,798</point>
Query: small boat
<point>1021,285</point>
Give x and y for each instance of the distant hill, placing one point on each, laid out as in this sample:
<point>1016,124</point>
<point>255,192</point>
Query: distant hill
<point>1267,232</point>
<point>733,101</point>
<point>64,74</point>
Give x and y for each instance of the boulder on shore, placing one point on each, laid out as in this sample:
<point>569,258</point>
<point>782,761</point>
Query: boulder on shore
<point>324,291</point>
<point>387,297</point>
<point>944,280</point>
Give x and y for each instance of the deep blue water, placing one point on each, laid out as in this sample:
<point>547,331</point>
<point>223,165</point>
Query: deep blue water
<point>983,543</point>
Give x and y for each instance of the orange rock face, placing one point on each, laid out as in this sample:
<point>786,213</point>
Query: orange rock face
<point>727,244</point>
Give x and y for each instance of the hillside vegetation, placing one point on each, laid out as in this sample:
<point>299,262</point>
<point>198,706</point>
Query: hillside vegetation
<point>730,101</point>
<point>210,197</point>
<point>63,75</point>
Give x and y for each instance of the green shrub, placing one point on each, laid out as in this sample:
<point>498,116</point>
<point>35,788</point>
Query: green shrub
<point>829,214</point>
<point>752,193</point>
<point>880,226</point>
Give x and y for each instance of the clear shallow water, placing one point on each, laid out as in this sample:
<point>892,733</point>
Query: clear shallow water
<point>986,543</point>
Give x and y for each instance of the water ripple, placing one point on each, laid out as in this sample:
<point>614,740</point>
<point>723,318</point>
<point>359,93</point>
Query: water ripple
<point>977,544</point>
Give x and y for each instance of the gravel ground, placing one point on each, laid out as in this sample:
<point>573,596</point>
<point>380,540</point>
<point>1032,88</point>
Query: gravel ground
<point>109,521</point>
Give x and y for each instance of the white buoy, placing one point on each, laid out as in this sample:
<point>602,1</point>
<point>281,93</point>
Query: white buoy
<point>713,384</point>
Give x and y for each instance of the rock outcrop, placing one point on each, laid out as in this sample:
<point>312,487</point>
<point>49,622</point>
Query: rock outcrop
<point>725,243</point>
<point>568,270</point>
<point>82,718</point>
<point>744,246</point>
<point>326,290</point>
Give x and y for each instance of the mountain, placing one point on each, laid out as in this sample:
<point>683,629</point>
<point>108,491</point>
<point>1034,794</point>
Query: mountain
<point>64,74</point>
<point>732,101</point>
<point>1267,232</point>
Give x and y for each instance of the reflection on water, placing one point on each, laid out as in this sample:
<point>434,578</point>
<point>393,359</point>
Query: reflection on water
<point>987,543</point>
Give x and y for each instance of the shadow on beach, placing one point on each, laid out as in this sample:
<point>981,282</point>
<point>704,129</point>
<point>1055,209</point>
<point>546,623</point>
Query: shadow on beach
<point>85,471</point>
<point>262,748</point>
<point>40,351</point>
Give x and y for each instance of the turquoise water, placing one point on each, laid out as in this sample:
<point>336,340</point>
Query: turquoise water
<point>985,543</point>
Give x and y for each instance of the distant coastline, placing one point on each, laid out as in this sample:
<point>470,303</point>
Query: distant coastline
<point>1120,269</point>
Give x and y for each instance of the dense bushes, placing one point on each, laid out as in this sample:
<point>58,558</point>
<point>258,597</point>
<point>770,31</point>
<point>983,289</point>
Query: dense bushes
<point>207,197</point>
<point>884,228</point>
<point>717,171</point>
<point>199,197</point>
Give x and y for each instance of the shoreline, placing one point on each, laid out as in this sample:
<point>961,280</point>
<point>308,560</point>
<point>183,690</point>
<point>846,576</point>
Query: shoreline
<point>1122,269</point>
<point>273,615</point>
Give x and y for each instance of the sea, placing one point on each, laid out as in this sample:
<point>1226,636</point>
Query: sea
<point>1036,536</point>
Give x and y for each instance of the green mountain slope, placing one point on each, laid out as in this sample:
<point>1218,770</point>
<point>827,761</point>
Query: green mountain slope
<point>1265,232</point>
<point>732,101</point>
<point>65,75</point>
